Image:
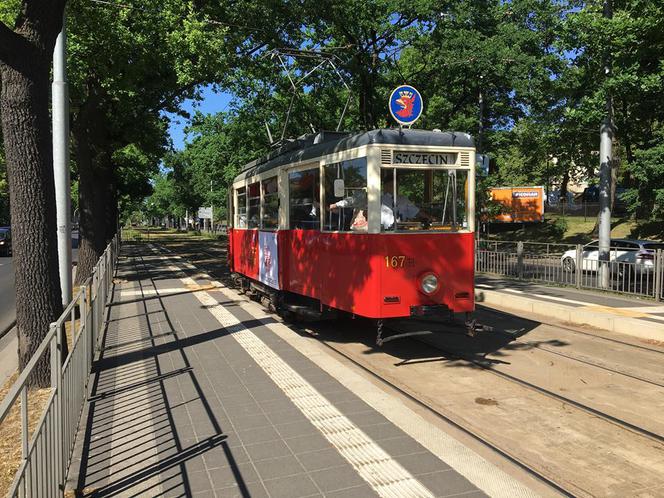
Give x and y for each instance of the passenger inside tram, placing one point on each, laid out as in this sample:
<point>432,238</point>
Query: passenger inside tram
<point>406,210</point>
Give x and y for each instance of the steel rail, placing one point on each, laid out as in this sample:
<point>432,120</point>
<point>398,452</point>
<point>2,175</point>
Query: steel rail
<point>546,392</point>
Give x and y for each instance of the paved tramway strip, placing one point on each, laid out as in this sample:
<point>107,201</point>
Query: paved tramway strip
<point>385,475</point>
<point>480,472</point>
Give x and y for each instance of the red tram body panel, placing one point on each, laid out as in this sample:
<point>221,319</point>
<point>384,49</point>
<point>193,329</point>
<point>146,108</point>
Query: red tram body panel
<point>350,272</point>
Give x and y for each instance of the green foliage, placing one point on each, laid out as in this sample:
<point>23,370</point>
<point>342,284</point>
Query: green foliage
<point>538,66</point>
<point>646,198</point>
<point>8,11</point>
<point>561,225</point>
<point>200,174</point>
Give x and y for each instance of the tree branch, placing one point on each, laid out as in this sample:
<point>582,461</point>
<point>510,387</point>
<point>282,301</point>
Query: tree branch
<point>12,45</point>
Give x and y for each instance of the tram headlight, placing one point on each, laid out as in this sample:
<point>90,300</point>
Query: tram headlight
<point>429,283</point>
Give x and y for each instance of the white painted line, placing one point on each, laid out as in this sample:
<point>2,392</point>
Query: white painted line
<point>483,474</point>
<point>622,311</point>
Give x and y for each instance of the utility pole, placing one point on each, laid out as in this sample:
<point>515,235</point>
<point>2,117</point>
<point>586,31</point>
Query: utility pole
<point>61,162</point>
<point>605,162</point>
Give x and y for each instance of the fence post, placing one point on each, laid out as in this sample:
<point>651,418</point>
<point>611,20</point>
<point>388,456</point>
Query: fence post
<point>519,259</point>
<point>56,383</point>
<point>578,266</point>
<point>659,273</point>
<point>94,297</point>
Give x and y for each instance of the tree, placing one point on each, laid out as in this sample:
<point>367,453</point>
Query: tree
<point>26,53</point>
<point>131,63</point>
<point>379,31</point>
<point>633,40</point>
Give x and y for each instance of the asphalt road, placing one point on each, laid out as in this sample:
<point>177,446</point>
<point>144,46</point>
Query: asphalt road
<point>8,343</point>
<point>7,291</point>
<point>7,296</point>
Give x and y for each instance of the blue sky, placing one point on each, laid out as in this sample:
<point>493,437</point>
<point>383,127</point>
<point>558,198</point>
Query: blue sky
<point>212,102</point>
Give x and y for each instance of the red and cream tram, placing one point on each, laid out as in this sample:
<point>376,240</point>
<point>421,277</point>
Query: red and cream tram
<point>377,224</point>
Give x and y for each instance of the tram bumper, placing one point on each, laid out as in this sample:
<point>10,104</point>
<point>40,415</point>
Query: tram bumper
<point>430,310</point>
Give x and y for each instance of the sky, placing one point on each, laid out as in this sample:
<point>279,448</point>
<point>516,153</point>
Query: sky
<point>212,102</point>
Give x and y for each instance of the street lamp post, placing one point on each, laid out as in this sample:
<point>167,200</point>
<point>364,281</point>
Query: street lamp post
<point>60,118</point>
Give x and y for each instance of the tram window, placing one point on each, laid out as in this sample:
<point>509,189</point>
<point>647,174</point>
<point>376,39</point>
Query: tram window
<point>433,199</point>
<point>349,212</point>
<point>304,191</point>
<point>270,217</point>
<point>241,208</point>
<point>253,215</point>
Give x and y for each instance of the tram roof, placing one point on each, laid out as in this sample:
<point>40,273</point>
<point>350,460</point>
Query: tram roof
<point>323,143</point>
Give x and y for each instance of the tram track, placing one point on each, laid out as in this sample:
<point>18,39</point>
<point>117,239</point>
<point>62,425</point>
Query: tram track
<point>547,392</point>
<point>581,332</point>
<point>532,344</point>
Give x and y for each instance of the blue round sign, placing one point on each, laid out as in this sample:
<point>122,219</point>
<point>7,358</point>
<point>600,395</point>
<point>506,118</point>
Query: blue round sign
<point>406,104</point>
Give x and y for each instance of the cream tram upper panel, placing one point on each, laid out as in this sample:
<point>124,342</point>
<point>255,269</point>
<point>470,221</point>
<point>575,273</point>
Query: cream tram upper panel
<point>341,148</point>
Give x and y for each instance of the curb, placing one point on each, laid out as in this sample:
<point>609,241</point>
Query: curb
<point>554,312</point>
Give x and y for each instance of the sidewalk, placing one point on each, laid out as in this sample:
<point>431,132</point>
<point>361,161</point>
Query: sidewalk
<point>639,318</point>
<point>194,395</point>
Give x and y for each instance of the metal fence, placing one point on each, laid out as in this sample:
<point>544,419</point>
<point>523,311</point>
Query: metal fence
<point>572,266</point>
<point>47,448</point>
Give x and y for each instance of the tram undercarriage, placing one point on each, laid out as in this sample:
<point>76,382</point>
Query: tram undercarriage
<point>296,307</point>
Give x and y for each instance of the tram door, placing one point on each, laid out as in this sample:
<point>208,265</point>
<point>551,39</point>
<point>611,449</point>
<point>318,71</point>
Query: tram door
<point>302,267</point>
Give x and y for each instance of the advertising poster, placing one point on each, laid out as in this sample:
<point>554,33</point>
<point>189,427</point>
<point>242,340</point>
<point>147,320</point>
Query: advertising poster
<point>268,259</point>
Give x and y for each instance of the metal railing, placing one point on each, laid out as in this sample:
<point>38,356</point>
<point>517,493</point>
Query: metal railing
<point>568,265</point>
<point>46,452</point>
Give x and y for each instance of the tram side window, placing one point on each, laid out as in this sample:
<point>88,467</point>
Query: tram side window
<point>304,204</point>
<point>254,213</point>
<point>270,217</point>
<point>241,208</point>
<point>433,199</point>
<point>348,212</point>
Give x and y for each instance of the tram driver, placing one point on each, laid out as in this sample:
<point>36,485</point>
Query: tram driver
<point>406,210</point>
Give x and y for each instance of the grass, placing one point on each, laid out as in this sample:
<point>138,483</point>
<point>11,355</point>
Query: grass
<point>575,230</point>
<point>10,430</point>
<point>166,235</point>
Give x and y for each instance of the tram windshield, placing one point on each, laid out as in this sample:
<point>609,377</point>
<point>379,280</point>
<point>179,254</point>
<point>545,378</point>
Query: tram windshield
<point>426,199</point>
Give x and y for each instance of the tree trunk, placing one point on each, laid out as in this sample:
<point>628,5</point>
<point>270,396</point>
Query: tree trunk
<point>97,187</point>
<point>24,102</point>
<point>111,205</point>
<point>563,186</point>
<point>92,224</point>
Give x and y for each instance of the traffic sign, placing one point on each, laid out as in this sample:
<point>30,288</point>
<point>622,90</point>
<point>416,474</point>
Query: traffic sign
<point>205,213</point>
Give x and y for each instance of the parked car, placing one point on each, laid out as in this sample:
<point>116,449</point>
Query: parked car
<point>5,242</point>
<point>635,255</point>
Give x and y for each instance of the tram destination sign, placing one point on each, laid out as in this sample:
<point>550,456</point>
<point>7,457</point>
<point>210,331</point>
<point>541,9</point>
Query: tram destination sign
<point>433,159</point>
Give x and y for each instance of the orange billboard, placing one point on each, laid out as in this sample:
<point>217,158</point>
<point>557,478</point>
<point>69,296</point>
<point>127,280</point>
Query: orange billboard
<point>520,204</point>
